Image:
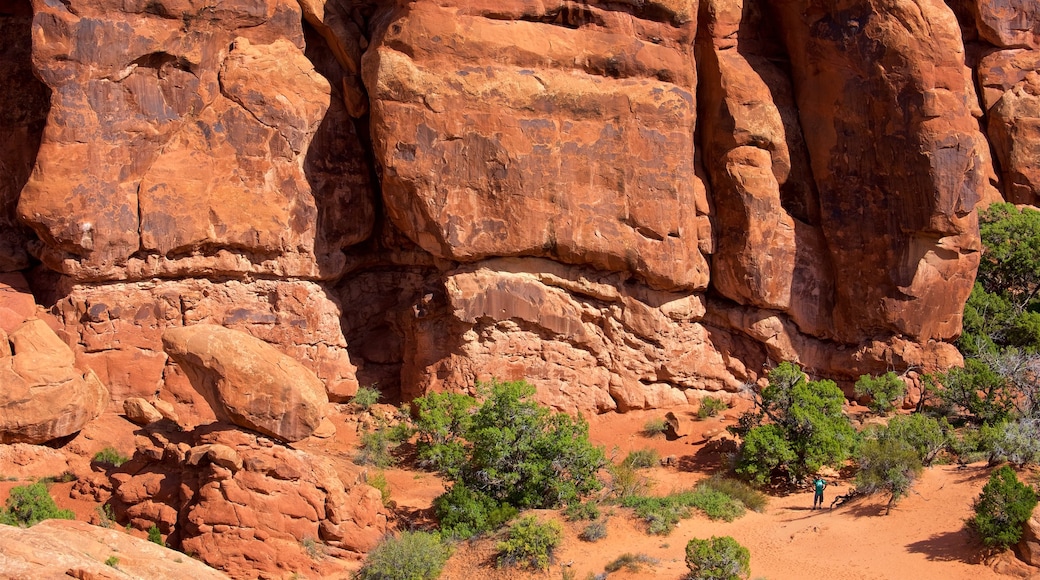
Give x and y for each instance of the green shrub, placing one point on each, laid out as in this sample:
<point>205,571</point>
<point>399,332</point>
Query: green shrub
<point>511,450</point>
<point>764,451</point>
<point>1001,509</point>
<point>595,531</point>
<point>978,390</point>
<point>409,556</point>
<point>464,513</point>
<point>28,505</point>
<point>530,544</point>
<point>751,498</point>
<point>806,430</point>
<point>626,481</point>
<point>927,435</point>
<point>379,482</point>
<point>582,511</point>
<point>884,391</point>
<point>656,427</point>
<point>642,459</point>
<point>110,456</point>
<point>630,562</point>
<point>365,397</point>
<point>718,558</point>
<point>376,448</point>
<point>112,561</point>
<point>711,406</point>
<point>155,536</point>
<point>716,504</point>
<point>887,465</point>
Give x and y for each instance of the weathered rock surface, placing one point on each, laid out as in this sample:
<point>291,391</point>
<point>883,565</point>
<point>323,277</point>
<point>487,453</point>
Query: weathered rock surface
<point>117,329</point>
<point>249,507</point>
<point>43,395</point>
<point>72,549</point>
<point>248,382</point>
<point>188,87</point>
<point>422,194</point>
<point>577,135</point>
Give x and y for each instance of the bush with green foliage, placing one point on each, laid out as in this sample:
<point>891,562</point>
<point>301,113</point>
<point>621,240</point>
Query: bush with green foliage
<point>376,448</point>
<point>378,481</point>
<point>717,558</point>
<point>409,556</point>
<point>630,562</point>
<point>365,397</point>
<point>656,427</point>
<point>28,505</point>
<point>1001,509</point>
<point>887,465</point>
<point>927,435</point>
<point>642,459</point>
<point>751,498</point>
<point>155,535</point>
<point>661,514</point>
<point>625,481</point>
<point>885,391</point>
<point>510,452</point>
<point>530,543</point>
<point>112,561</point>
<point>110,456</point>
<point>711,406</point>
<point>806,428</point>
<point>979,391</point>
<point>582,511</point>
<point>464,513</point>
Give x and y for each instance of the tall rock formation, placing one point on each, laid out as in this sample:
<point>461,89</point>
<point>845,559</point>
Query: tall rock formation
<point>629,204</point>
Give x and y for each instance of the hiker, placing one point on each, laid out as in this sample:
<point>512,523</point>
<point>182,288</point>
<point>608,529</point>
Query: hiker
<point>819,486</point>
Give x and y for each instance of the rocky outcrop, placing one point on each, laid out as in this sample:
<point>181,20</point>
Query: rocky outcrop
<point>550,205</point>
<point>44,395</point>
<point>71,549</point>
<point>248,382</point>
<point>250,507</point>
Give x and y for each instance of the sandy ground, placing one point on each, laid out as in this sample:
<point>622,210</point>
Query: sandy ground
<point>922,538</point>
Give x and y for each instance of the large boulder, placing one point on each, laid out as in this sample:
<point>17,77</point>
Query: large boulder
<point>249,382</point>
<point>43,395</point>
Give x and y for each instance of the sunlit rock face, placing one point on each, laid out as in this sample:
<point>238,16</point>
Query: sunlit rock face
<point>630,205</point>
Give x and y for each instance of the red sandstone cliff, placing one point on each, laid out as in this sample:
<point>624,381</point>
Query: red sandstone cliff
<point>627,203</point>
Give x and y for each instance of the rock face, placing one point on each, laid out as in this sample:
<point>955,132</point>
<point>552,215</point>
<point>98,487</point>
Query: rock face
<point>71,549</point>
<point>248,507</point>
<point>423,194</point>
<point>248,382</point>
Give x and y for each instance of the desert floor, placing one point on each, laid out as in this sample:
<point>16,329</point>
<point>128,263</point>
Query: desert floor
<point>923,537</point>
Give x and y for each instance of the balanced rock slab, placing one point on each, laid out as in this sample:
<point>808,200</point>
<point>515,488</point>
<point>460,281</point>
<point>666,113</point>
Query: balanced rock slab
<point>249,382</point>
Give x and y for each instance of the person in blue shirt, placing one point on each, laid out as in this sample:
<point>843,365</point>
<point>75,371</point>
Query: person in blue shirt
<point>819,485</point>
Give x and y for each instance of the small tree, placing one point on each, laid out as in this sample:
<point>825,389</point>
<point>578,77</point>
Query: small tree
<point>887,465</point>
<point>718,558</point>
<point>926,435</point>
<point>509,452</point>
<point>1001,509</point>
<point>978,390</point>
<point>884,391</point>
<point>806,427</point>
